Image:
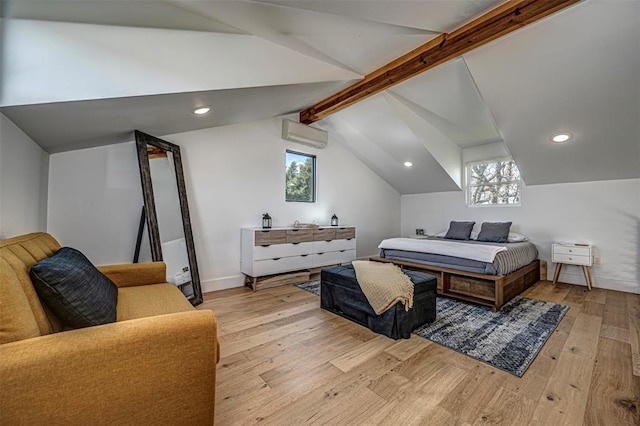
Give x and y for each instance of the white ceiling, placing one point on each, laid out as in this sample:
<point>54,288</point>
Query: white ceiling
<point>577,70</point>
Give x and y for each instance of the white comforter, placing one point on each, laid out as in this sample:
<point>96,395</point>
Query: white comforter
<point>480,252</point>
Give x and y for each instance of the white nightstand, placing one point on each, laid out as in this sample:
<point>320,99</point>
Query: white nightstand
<point>572,254</point>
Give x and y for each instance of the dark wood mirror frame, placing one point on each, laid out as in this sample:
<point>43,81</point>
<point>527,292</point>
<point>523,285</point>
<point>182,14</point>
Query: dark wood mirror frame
<point>143,140</point>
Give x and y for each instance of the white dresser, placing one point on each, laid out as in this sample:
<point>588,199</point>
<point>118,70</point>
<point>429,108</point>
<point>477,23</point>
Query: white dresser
<point>572,254</point>
<point>282,250</point>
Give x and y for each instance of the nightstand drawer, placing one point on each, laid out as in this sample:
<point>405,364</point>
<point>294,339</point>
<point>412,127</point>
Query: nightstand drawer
<point>572,259</point>
<point>571,250</point>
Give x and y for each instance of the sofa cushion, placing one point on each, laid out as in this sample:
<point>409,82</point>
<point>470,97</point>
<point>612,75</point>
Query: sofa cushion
<point>74,289</point>
<point>150,300</point>
<point>21,253</point>
<point>17,321</point>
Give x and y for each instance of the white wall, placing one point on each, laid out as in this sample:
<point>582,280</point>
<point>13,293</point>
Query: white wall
<point>95,201</point>
<point>604,213</point>
<point>23,182</point>
<point>234,174</point>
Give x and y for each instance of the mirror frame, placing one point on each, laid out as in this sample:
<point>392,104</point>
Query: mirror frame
<point>142,140</point>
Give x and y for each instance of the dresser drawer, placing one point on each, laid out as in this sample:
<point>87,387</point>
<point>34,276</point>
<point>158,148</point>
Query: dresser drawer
<point>572,259</point>
<point>299,235</point>
<point>324,234</point>
<point>345,233</point>
<point>571,250</point>
<point>282,250</point>
<point>266,237</point>
<point>333,245</point>
<point>282,264</point>
<point>333,258</point>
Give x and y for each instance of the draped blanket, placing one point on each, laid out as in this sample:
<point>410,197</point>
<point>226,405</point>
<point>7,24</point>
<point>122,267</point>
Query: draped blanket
<point>383,284</point>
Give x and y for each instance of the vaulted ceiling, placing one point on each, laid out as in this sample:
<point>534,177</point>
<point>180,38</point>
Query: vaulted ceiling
<point>79,74</point>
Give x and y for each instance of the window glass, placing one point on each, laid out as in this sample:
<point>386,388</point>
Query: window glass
<point>300,177</point>
<point>495,182</point>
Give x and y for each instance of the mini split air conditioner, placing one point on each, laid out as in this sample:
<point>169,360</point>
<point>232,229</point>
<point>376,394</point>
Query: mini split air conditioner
<point>301,133</point>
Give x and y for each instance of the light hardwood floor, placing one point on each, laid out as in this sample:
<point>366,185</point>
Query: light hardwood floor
<point>287,362</point>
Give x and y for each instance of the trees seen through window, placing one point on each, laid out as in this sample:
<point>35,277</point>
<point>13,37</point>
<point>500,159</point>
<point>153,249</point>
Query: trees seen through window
<point>495,182</point>
<point>300,177</point>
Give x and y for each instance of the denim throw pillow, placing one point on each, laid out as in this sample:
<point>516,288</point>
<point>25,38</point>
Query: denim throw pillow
<point>74,290</point>
<point>459,230</point>
<point>494,232</point>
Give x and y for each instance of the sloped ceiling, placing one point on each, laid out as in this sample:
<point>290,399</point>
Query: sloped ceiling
<point>79,74</point>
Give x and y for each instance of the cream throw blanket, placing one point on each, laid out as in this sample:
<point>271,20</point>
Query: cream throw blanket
<point>383,284</point>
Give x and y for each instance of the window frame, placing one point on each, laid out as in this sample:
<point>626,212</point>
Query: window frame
<point>314,170</point>
<point>468,185</point>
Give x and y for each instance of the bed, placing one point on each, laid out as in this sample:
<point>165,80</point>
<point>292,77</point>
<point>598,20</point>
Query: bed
<point>489,273</point>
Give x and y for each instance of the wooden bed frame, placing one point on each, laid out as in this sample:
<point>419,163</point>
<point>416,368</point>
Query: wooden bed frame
<point>490,290</point>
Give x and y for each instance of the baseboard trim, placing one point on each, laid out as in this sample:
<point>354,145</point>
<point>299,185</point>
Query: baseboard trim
<point>598,282</point>
<point>570,278</point>
<point>222,283</point>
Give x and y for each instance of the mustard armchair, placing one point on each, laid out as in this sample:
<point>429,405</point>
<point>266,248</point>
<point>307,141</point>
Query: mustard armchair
<point>155,366</point>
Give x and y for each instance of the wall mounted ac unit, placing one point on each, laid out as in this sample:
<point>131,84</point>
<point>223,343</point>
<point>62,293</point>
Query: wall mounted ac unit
<point>301,133</point>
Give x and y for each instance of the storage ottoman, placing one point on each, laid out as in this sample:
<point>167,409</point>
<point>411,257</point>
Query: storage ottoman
<point>341,294</point>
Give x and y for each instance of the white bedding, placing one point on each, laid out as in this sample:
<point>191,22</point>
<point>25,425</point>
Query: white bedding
<point>480,252</point>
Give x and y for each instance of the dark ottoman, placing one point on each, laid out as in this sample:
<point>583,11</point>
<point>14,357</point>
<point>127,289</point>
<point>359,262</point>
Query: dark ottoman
<point>341,294</point>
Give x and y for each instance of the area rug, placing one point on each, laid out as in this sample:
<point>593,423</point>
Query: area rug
<point>311,287</point>
<point>509,340</point>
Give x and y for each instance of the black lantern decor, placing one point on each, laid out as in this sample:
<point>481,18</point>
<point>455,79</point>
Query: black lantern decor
<point>334,220</point>
<point>266,221</point>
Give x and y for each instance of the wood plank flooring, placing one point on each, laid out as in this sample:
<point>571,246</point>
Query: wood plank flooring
<point>287,362</point>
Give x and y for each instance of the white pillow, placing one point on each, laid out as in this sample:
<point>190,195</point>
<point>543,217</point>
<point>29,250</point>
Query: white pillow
<point>516,238</point>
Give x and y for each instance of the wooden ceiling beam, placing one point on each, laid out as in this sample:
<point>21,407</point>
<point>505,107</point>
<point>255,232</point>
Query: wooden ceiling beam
<point>502,20</point>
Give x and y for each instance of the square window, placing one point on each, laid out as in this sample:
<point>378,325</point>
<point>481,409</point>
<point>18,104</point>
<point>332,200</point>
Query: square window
<point>493,183</point>
<point>300,177</point>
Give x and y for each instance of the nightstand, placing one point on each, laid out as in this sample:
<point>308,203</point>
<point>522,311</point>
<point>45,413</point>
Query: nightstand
<point>572,254</point>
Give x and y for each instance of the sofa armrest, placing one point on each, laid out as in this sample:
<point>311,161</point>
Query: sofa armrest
<point>134,274</point>
<point>157,370</point>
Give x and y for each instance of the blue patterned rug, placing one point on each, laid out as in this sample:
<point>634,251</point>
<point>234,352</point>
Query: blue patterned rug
<point>509,340</point>
<point>311,287</point>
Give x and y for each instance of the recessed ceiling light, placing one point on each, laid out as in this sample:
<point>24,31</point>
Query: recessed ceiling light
<point>561,137</point>
<point>201,110</point>
<point>408,164</point>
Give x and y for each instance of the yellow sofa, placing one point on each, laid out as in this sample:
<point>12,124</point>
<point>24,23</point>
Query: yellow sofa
<point>155,366</point>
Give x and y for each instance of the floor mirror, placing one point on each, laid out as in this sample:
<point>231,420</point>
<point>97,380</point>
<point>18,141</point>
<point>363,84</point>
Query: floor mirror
<point>167,213</point>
